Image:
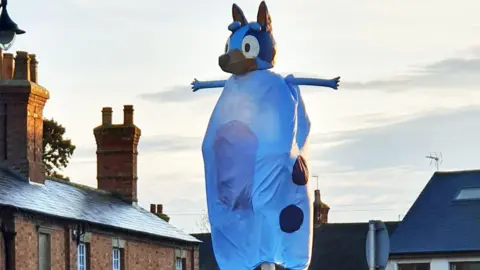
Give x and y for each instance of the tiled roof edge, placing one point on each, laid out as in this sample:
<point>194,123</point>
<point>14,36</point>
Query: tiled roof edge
<point>102,224</point>
<point>89,188</point>
<point>457,171</point>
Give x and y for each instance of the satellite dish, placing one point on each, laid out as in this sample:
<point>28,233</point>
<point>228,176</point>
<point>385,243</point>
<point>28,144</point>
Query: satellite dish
<point>377,245</point>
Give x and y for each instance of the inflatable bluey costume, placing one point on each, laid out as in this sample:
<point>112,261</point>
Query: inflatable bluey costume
<point>258,200</point>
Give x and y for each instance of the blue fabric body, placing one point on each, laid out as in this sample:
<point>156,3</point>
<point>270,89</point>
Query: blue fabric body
<point>259,209</point>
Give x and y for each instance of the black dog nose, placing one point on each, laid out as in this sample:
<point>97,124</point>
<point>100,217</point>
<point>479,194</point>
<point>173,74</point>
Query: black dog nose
<point>223,60</point>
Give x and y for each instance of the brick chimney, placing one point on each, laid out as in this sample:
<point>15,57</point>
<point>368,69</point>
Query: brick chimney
<point>320,210</point>
<point>117,154</point>
<point>21,117</point>
<point>158,211</point>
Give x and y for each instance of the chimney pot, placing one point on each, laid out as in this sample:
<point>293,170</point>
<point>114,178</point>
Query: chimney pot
<point>153,208</point>
<point>106,116</point>
<point>8,66</point>
<point>33,68</point>
<point>22,66</point>
<point>159,209</point>
<point>318,200</point>
<point>128,114</point>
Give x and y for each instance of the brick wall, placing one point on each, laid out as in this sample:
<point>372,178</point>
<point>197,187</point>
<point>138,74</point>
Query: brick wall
<point>100,252</point>
<point>149,257</point>
<point>137,255</point>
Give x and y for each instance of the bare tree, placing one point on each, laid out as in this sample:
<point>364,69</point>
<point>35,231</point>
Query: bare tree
<point>203,224</point>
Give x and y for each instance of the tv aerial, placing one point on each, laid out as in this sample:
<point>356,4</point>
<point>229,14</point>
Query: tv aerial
<point>316,178</point>
<point>435,159</point>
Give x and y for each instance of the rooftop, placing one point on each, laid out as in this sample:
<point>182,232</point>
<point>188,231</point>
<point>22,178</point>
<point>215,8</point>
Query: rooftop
<point>77,202</point>
<point>438,221</point>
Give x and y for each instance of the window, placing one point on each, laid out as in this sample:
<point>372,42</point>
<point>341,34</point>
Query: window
<point>44,251</point>
<point>81,257</point>
<point>181,264</point>
<point>414,266</point>
<point>465,266</point>
<point>116,258</point>
<point>469,194</point>
<point>178,264</point>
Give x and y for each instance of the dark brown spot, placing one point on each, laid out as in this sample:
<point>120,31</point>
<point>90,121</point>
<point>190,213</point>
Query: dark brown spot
<point>300,172</point>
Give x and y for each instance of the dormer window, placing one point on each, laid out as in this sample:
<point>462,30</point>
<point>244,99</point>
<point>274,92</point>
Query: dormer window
<point>468,194</point>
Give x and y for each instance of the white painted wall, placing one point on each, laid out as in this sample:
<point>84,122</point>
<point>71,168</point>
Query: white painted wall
<point>435,264</point>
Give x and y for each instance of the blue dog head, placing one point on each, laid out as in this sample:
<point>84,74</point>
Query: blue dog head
<point>251,46</point>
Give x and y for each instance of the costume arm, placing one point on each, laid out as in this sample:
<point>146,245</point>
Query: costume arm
<point>197,85</point>
<point>332,83</point>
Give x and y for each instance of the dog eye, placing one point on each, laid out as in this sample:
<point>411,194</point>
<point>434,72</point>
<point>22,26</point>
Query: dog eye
<point>227,45</point>
<point>250,46</point>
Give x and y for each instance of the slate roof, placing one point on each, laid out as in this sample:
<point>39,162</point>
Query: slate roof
<point>68,200</point>
<point>339,246</point>
<point>437,223</point>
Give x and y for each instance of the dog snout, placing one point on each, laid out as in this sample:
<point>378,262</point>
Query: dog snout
<point>223,60</point>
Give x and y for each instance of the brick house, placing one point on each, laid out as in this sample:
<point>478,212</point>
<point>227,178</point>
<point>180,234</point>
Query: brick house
<point>441,230</point>
<point>56,224</point>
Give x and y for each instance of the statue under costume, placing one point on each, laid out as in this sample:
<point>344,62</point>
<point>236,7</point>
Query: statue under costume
<point>256,174</point>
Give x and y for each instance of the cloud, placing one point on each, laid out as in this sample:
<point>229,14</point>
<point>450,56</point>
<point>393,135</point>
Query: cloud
<point>150,144</point>
<point>183,93</point>
<point>180,93</point>
<point>452,132</point>
<point>169,143</point>
<point>452,73</point>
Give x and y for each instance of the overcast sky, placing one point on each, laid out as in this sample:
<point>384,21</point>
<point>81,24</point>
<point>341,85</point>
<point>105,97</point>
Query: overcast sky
<point>410,86</point>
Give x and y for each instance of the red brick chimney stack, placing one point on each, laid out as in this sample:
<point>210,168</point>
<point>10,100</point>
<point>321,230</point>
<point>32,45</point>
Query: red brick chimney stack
<point>320,210</point>
<point>158,211</point>
<point>117,154</point>
<point>21,118</point>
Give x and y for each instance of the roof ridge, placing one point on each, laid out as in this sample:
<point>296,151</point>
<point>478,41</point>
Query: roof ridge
<point>457,171</point>
<point>77,185</point>
<point>358,223</point>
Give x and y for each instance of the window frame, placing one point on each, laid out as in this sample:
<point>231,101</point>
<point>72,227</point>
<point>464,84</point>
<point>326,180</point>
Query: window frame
<point>399,265</point>
<point>467,199</point>
<point>180,262</point>
<point>117,250</point>
<point>48,233</point>
<point>180,257</point>
<point>452,266</point>
<point>86,256</point>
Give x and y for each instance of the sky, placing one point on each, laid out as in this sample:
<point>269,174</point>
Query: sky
<point>409,87</point>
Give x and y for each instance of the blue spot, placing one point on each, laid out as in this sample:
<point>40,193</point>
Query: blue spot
<point>291,219</point>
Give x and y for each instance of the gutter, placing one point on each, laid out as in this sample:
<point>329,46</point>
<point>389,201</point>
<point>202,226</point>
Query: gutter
<point>123,229</point>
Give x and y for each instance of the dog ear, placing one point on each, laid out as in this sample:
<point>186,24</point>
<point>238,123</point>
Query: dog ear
<point>263,17</point>
<point>238,15</point>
